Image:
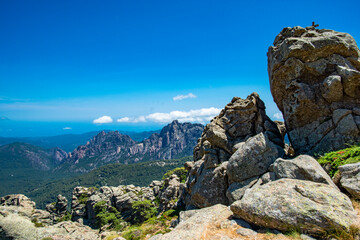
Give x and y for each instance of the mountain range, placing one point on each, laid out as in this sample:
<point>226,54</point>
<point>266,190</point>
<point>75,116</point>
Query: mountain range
<point>174,141</point>
<point>28,168</point>
<point>68,142</point>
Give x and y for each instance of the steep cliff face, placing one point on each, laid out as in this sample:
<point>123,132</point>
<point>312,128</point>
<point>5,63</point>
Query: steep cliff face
<point>315,81</point>
<point>175,140</point>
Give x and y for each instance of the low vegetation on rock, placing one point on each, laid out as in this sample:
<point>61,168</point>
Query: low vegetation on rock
<point>332,160</point>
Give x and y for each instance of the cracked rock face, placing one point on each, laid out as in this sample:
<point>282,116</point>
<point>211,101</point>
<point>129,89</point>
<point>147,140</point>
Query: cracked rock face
<point>237,145</point>
<point>312,207</point>
<point>315,81</point>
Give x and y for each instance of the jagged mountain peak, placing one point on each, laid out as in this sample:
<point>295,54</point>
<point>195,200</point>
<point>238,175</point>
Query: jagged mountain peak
<point>174,140</point>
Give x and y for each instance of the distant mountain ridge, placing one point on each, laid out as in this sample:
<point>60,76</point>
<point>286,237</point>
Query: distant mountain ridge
<point>24,155</point>
<point>174,141</point>
<point>69,142</point>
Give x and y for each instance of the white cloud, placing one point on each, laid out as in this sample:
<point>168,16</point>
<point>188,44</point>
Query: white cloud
<point>140,119</point>
<point>278,115</point>
<point>131,120</point>
<point>67,128</point>
<point>199,115</point>
<point>103,119</point>
<point>181,97</point>
<point>123,120</point>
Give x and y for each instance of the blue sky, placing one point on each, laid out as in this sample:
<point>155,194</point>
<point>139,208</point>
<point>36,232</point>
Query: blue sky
<point>64,64</point>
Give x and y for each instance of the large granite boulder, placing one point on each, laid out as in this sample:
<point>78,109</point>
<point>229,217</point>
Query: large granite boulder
<point>286,204</point>
<point>253,158</point>
<point>303,167</point>
<point>350,178</point>
<point>238,144</point>
<point>315,81</point>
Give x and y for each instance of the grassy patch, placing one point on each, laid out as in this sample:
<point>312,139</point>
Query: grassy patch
<point>332,160</point>
<point>152,226</point>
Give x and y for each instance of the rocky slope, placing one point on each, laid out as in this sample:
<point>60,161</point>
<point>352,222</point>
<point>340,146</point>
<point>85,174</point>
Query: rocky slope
<point>175,140</point>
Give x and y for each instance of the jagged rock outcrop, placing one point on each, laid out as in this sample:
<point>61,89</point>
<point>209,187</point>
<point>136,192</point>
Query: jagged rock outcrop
<point>170,193</point>
<point>350,179</point>
<point>240,143</point>
<point>22,205</point>
<point>315,81</point>
<point>18,200</point>
<point>80,196</point>
<point>58,209</point>
<point>287,203</point>
<point>122,198</point>
<point>175,140</point>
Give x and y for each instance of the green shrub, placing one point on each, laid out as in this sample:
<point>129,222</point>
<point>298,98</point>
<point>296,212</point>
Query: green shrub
<point>180,172</point>
<point>83,198</point>
<point>333,160</point>
<point>143,210</point>
<point>108,216</point>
